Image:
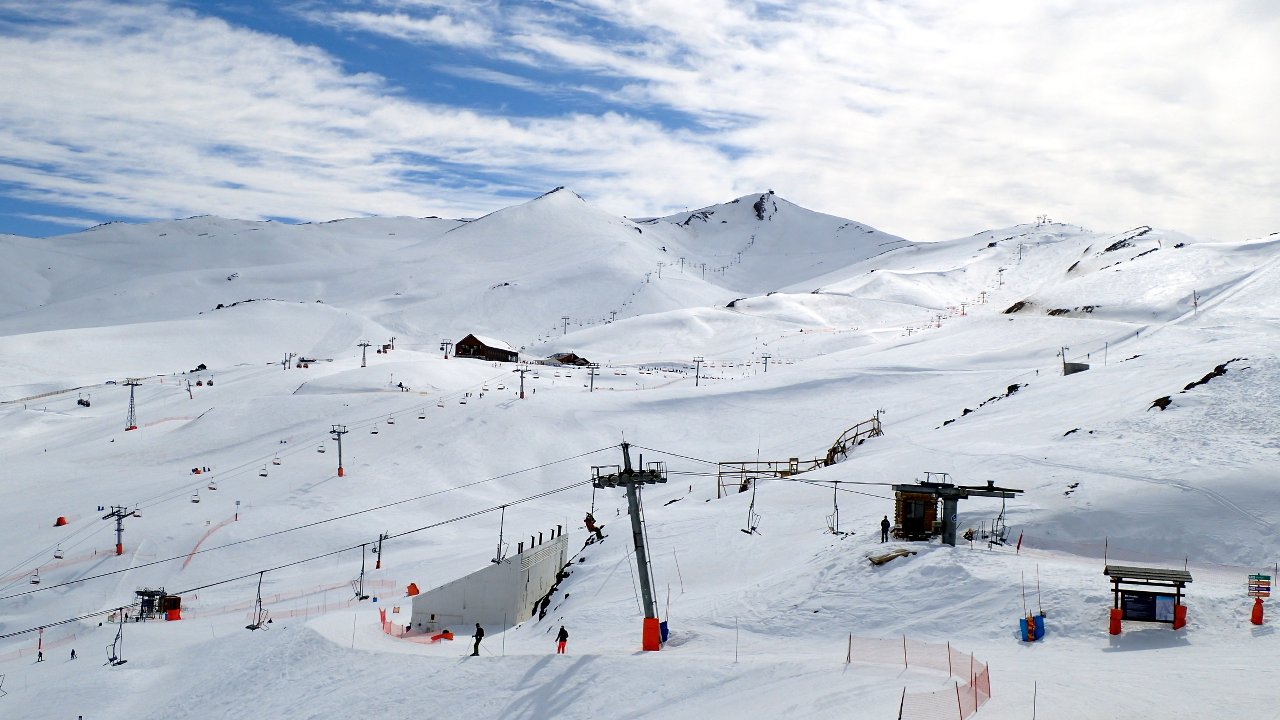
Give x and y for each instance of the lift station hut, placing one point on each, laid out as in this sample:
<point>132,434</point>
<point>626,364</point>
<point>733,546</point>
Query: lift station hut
<point>916,514</point>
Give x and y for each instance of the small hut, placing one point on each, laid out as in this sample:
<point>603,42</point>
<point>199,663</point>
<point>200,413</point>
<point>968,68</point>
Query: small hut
<point>484,348</point>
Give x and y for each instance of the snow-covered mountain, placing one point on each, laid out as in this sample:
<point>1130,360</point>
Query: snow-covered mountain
<point>1162,453</point>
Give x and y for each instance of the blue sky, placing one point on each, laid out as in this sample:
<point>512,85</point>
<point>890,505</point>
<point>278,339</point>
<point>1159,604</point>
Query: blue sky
<point>926,118</point>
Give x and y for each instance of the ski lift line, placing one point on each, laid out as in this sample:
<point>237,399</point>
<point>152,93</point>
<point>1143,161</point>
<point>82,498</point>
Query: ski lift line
<point>92,529</point>
<point>673,454</point>
<point>477,513</point>
<point>239,470</point>
<point>823,486</point>
<point>302,561</point>
<point>321,522</point>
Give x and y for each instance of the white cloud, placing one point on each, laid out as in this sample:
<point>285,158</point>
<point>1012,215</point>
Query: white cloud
<point>439,28</point>
<point>929,119</point>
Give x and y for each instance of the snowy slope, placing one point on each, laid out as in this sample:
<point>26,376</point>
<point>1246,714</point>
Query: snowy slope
<point>760,621</point>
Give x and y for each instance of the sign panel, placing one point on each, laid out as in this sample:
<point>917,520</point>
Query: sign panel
<point>1147,606</point>
<point>1260,586</point>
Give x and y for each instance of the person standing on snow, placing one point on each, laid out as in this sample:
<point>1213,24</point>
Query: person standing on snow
<point>478,636</point>
<point>884,529</point>
<point>562,639</point>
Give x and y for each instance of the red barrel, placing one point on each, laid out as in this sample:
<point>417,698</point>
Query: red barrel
<point>173,614</point>
<point>1116,614</point>
<point>1179,616</point>
<point>1256,616</point>
<point>652,634</point>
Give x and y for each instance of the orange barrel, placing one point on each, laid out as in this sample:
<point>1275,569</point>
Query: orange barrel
<point>652,634</point>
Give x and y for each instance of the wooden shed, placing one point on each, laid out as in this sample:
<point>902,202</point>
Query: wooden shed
<point>485,348</point>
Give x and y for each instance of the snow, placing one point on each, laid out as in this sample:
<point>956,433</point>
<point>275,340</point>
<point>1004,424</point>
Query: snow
<point>854,320</point>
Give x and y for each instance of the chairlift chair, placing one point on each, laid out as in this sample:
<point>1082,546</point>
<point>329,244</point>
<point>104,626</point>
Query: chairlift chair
<point>57,552</point>
<point>463,401</point>
<point>35,577</point>
<point>275,460</point>
<point>422,414</point>
<point>440,403</point>
<point>263,471</point>
<point>391,420</point>
<point>195,496</point>
<point>213,485</point>
<point>321,448</point>
<point>374,431</point>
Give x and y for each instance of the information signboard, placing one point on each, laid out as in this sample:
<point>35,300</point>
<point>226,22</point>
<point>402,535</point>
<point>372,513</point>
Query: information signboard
<point>1147,606</point>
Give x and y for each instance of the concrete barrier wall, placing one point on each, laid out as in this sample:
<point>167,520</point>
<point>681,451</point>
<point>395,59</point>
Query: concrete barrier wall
<point>499,595</point>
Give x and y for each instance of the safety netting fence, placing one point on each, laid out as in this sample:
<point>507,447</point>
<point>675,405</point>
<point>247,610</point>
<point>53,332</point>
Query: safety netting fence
<point>970,689</point>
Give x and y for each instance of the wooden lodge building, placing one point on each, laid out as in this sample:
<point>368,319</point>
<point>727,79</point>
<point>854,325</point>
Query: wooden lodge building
<point>484,348</point>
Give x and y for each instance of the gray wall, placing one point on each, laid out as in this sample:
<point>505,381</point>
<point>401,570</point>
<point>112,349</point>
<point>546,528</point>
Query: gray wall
<point>502,592</point>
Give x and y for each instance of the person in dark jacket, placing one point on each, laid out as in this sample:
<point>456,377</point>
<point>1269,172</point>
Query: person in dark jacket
<point>590,522</point>
<point>478,636</point>
<point>562,639</point>
<point>884,529</point>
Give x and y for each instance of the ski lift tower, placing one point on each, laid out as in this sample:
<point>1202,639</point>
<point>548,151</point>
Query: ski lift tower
<point>132,422</point>
<point>632,480</point>
<point>118,513</point>
<point>338,431</point>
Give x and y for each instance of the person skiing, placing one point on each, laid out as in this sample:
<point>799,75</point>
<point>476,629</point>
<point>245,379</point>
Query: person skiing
<point>478,636</point>
<point>73,653</point>
<point>562,639</point>
<point>884,529</point>
<point>590,522</point>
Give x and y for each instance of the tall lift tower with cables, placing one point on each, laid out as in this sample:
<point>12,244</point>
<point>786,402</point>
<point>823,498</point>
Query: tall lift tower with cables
<point>338,431</point>
<point>132,422</point>
<point>118,514</point>
<point>632,480</point>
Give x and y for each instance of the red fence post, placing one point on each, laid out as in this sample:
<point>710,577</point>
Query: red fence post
<point>959,707</point>
<point>848,658</point>
<point>949,672</point>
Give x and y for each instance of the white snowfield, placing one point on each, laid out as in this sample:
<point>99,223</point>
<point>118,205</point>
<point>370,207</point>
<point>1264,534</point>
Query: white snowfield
<point>854,321</point>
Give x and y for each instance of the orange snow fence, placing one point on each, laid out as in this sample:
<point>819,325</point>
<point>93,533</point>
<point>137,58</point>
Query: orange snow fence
<point>412,590</point>
<point>62,520</point>
<point>961,700</point>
